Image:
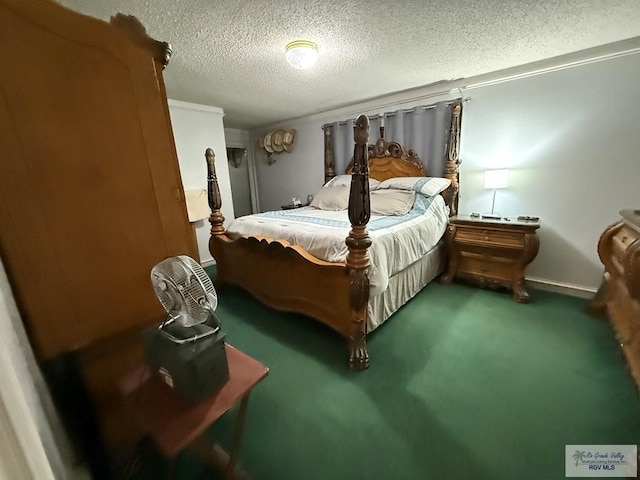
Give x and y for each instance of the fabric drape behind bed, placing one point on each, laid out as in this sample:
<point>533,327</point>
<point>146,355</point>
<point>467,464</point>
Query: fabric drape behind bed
<point>343,140</point>
<point>424,128</point>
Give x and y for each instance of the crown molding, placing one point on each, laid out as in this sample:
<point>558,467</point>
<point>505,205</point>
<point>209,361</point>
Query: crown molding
<point>195,106</point>
<point>583,57</point>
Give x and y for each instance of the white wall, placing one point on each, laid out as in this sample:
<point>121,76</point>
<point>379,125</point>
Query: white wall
<point>240,188</point>
<point>236,137</point>
<point>569,128</point>
<point>196,128</point>
<point>571,139</point>
<point>295,174</point>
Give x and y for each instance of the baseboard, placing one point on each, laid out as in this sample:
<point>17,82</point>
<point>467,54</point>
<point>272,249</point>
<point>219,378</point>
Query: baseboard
<point>564,288</point>
<point>206,263</point>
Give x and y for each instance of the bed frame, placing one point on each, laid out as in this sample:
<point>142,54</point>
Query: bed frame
<point>335,294</point>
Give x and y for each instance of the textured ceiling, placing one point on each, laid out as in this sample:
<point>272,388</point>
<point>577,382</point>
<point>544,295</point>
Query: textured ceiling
<point>230,53</point>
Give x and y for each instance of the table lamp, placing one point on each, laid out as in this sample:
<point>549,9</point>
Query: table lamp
<point>495,179</point>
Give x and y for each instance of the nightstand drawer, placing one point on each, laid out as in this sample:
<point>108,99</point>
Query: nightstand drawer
<point>484,268</point>
<point>492,252</point>
<point>485,236</point>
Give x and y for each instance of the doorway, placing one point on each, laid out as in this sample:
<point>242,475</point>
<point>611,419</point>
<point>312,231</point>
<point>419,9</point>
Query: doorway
<point>240,184</point>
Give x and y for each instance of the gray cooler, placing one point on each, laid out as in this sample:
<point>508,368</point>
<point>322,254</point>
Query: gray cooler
<point>195,369</point>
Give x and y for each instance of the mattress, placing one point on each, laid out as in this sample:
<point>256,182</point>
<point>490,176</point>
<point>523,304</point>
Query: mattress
<point>397,241</point>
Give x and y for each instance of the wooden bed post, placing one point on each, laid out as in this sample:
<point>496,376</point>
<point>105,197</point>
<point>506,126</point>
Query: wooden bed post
<point>216,219</point>
<point>213,195</point>
<point>329,165</point>
<point>358,243</point>
<point>453,153</point>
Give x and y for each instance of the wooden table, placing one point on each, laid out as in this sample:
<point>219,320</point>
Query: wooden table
<point>175,425</point>
<point>492,252</point>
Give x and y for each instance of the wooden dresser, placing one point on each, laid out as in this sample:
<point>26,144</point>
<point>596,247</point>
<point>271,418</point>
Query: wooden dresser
<point>492,252</point>
<point>619,296</point>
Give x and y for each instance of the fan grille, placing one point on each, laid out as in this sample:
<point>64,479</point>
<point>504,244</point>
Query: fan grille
<point>184,289</point>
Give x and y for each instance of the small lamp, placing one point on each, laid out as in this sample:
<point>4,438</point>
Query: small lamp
<point>496,179</point>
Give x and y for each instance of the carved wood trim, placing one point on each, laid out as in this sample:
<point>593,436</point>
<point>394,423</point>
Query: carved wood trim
<point>530,248</point>
<point>392,151</point>
<point>618,298</point>
<point>453,160</point>
<point>286,277</point>
<point>133,28</point>
<point>388,167</point>
<point>382,148</point>
<point>597,306</point>
<point>631,269</point>
<point>329,161</point>
<point>213,195</point>
<point>216,219</point>
<point>358,243</point>
<point>453,258</point>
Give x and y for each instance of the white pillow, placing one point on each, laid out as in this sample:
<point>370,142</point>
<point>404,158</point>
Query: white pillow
<point>429,186</point>
<point>345,181</point>
<point>335,198</point>
<point>392,202</point>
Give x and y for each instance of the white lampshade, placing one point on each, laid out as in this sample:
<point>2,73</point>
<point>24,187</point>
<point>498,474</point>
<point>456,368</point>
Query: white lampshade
<point>302,54</point>
<point>496,178</point>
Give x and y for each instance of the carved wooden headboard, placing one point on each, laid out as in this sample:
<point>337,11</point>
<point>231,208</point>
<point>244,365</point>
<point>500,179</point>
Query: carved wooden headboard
<point>390,159</point>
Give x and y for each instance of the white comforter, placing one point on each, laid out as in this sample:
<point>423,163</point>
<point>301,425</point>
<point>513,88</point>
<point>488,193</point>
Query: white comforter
<point>398,241</point>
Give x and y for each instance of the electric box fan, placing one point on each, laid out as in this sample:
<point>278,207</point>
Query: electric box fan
<point>187,350</point>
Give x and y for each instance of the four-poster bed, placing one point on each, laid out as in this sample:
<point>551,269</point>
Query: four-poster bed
<point>287,277</point>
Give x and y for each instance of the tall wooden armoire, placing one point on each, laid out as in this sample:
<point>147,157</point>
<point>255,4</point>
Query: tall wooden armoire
<point>90,191</point>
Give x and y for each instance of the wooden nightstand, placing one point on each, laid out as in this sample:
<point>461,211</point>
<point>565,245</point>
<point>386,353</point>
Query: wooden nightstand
<point>492,252</point>
<point>291,207</point>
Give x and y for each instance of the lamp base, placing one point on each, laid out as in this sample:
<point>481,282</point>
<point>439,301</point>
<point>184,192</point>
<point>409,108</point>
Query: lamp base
<point>492,216</point>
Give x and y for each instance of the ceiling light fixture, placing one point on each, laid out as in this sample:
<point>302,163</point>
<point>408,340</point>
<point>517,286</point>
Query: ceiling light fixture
<point>302,54</point>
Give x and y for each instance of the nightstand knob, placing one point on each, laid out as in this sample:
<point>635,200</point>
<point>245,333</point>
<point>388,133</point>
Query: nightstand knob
<point>486,237</point>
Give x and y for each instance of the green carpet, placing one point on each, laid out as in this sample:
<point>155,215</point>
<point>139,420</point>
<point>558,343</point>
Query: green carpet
<point>463,383</point>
